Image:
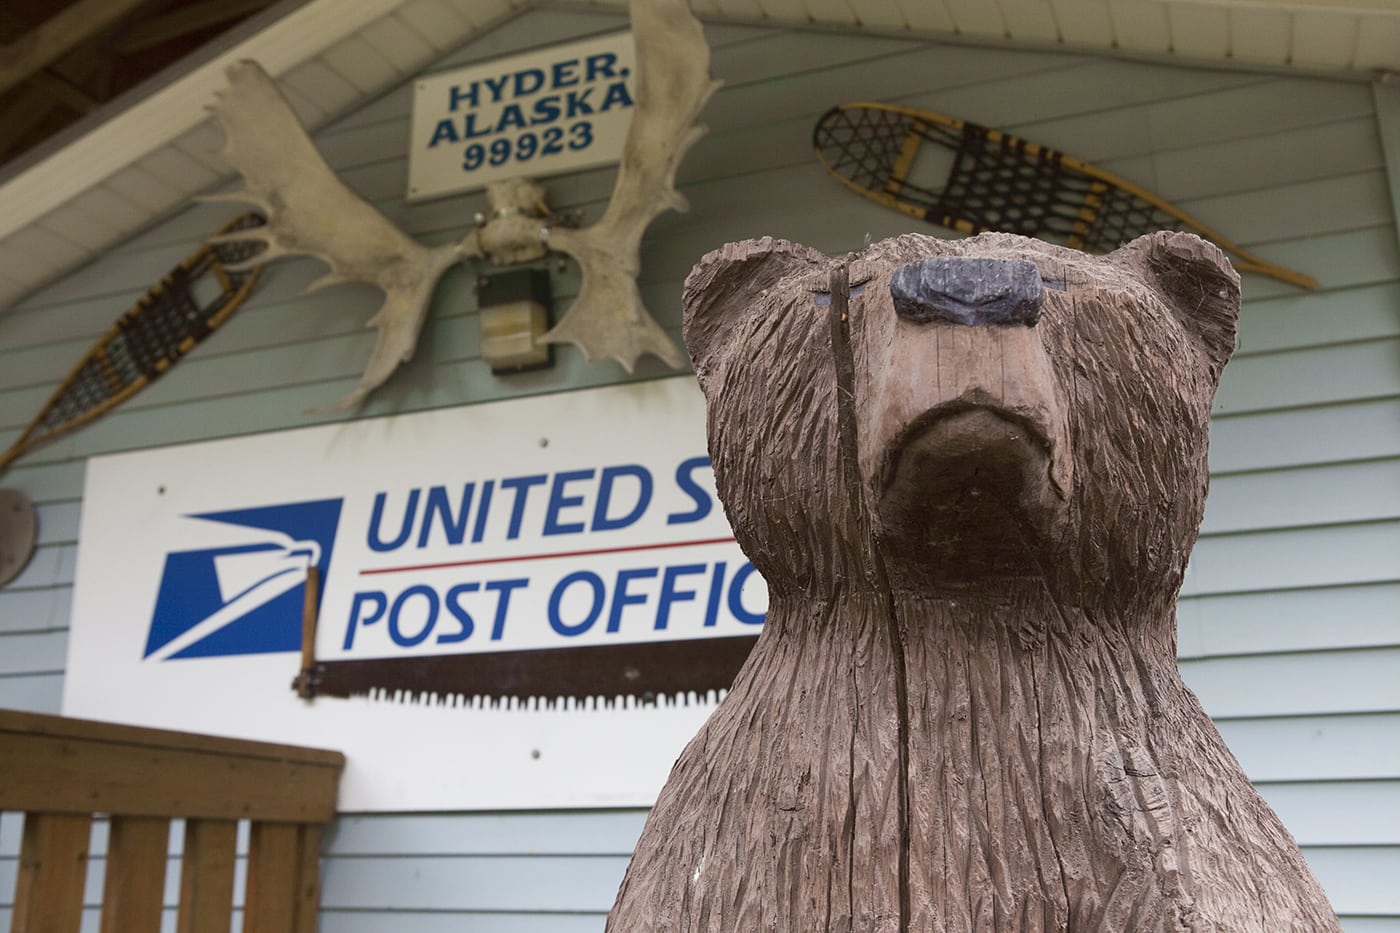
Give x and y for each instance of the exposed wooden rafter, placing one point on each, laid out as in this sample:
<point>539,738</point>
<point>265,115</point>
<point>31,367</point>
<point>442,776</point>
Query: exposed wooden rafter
<point>61,90</point>
<point>57,36</point>
<point>182,20</point>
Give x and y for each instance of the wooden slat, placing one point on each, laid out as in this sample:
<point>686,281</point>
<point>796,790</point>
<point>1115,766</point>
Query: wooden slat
<point>206,877</point>
<point>306,899</point>
<point>283,879</point>
<point>52,871</point>
<point>274,857</point>
<point>134,886</point>
<point>63,765</point>
<point>151,781</point>
<point>92,730</point>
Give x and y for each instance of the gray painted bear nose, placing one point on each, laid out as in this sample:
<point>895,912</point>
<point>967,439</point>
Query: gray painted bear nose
<point>959,290</point>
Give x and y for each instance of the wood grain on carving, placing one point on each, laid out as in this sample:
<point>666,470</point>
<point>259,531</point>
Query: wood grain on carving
<point>964,712</point>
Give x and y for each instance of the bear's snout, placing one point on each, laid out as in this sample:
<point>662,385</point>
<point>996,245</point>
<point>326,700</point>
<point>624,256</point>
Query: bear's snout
<point>966,290</point>
<point>969,437</point>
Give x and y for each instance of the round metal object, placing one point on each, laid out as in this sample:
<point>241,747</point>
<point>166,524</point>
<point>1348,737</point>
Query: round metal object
<point>19,529</point>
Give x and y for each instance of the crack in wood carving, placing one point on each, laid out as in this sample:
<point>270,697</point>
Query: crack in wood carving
<point>840,317</point>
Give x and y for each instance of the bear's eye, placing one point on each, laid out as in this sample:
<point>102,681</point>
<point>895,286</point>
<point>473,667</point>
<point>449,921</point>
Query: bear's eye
<point>823,298</point>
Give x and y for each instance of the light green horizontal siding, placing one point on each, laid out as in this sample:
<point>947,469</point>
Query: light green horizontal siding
<point>1288,620</point>
<point>38,692</point>
<point>1288,625</point>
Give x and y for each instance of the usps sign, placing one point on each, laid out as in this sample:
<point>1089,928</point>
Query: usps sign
<point>482,570</point>
<point>560,110</point>
<point>244,594</point>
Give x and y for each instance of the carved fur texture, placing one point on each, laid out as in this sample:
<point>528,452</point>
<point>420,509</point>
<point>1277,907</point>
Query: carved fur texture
<point>964,712</point>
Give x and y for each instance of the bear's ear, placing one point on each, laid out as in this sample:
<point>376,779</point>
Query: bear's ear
<point>730,279</point>
<point>1198,283</point>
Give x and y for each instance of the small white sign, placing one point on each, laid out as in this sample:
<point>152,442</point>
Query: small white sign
<point>542,113</point>
<point>523,529</point>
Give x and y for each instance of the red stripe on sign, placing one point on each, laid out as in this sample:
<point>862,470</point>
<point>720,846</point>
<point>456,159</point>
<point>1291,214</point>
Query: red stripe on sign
<point>508,560</point>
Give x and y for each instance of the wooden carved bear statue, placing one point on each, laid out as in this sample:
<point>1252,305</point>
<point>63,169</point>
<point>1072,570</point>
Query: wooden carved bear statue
<point>972,473</point>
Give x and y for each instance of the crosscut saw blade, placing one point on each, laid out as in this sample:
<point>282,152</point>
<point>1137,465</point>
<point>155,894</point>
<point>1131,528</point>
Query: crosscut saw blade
<point>646,672</point>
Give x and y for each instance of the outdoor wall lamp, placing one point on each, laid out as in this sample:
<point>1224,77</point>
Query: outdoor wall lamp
<point>514,309</point>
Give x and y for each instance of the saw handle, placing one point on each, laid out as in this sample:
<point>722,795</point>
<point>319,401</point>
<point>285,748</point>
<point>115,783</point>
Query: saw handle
<point>309,678</point>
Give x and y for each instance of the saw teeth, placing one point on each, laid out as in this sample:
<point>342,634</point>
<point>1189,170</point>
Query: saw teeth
<point>534,704</point>
<point>626,676</point>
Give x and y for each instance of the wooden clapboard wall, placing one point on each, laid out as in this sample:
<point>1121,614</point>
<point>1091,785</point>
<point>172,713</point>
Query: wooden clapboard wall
<point>1288,628</point>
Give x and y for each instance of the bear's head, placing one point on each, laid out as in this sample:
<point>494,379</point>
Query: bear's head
<point>961,412</point>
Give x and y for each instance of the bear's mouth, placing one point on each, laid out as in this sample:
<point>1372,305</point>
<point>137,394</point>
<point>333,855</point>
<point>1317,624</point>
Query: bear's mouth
<point>966,493</point>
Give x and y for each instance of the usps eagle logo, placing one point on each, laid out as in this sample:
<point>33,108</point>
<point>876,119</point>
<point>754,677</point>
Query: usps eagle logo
<point>245,597</point>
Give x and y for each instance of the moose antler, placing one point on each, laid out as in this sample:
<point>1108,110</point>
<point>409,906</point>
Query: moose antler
<point>311,212</point>
<point>673,84</point>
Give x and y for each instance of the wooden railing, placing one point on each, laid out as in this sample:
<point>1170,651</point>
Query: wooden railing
<point>61,773</point>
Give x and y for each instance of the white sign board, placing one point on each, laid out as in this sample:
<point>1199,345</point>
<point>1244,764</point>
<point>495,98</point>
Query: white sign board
<point>542,113</point>
<point>521,530</point>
